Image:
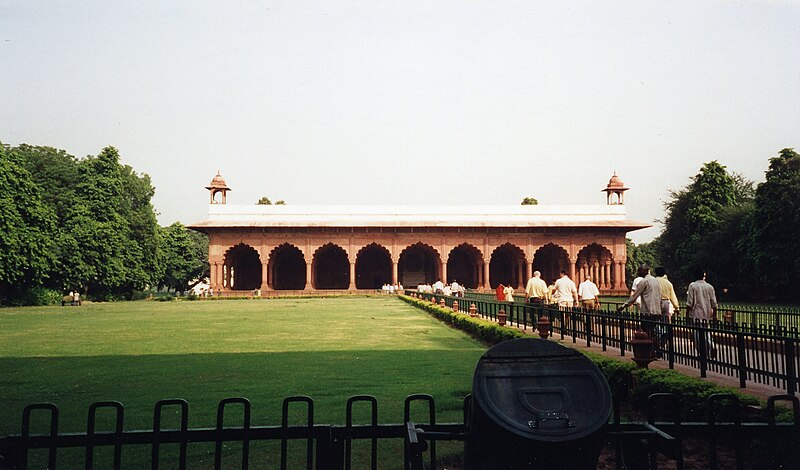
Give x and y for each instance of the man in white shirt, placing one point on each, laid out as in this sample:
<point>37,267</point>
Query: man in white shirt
<point>589,294</point>
<point>438,287</point>
<point>455,288</point>
<point>566,292</point>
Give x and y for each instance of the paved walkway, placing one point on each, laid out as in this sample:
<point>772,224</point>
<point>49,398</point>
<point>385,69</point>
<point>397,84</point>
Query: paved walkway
<point>755,389</point>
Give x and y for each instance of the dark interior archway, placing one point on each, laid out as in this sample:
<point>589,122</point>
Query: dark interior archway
<point>373,267</point>
<point>463,265</point>
<point>243,268</point>
<point>331,268</point>
<point>550,260</point>
<point>418,264</point>
<point>505,265</point>
<point>288,268</point>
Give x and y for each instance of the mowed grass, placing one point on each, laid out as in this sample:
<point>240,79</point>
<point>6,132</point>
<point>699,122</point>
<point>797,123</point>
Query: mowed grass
<point>265,350</point>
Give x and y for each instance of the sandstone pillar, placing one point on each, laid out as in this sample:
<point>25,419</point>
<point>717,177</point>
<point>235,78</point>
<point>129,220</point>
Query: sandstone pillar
<point>444,272</point>
<point>572,269</point>
<point>528,271</point>
<point>352,276</point>
<point>214,281</point>
<point>264,276</point>
<point>309,284</point>
<point>394,272</point>
<point>486,283</point>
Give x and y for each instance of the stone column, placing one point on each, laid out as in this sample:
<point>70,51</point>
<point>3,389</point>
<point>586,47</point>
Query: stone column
<point>444,272</point>
<point>394,272</point>
<point>309,284</point>
<point>486,284</point>
<point>214,275</point>
<point>519,274</point>
<point>352,276</point>
<point>621,276</point>
<point>264,276</point>
<point>572,269</point>
<point>607,274</point>
<point>528,271</point>
<point>270,275</point>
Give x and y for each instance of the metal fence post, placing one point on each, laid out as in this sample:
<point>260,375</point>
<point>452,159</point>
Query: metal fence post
<point>791,370</point>
<point>741,358</point>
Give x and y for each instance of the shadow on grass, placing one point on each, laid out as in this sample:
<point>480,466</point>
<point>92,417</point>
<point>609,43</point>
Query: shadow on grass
<point>328,377</point>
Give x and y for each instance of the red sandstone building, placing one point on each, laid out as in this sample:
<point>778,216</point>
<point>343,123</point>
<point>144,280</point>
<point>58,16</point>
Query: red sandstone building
<point>311,248</point>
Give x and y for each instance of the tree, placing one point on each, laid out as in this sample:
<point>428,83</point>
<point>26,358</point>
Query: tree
<point>280,202</point>
<point>637,255</point>
<point>141,249</point>
<point>184,254</point>
<point>694,215</point>
<point>773,244</point>
<point>26,229</point>
<point>530,201</point>
<point>264,201</point>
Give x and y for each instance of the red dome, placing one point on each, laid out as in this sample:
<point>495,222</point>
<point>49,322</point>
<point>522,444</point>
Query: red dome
<point>218,183</point>
<point>615,182</point>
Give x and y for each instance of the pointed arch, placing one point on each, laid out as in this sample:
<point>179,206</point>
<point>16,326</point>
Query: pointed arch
<point>596,261</point>
<point>373,267</point>
<point>506,266</point>
<point>550,259</point>
<point>419,264</point>
<point>464,264</point>
<point>241,268</point>
<point>330,268</point>
<point>286,268</point>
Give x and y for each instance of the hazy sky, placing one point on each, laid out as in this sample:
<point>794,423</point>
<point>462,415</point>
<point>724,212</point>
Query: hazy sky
<point>406,102</point>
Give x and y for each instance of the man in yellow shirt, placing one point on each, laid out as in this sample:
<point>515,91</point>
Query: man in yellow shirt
<point>536,289</point>
<point>668,296</point>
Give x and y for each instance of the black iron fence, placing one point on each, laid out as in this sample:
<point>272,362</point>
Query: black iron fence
<point>778,316</point>
<point>764,354</point>
<point>629,444</point>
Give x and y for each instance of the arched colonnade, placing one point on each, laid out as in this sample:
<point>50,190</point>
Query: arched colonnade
<point>343,266</point>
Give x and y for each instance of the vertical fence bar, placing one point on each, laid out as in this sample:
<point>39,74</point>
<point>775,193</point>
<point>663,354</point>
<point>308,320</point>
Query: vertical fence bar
<point>26,432</point>
<point>349,424</point>
<point>221,426</point>
<point>184,407</point>
<point>91,425</point>
<point>791,370</point>
<point>431,420</point>
<point>309,424</point>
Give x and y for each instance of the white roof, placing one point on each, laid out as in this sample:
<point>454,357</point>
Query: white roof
<point>253,215</point>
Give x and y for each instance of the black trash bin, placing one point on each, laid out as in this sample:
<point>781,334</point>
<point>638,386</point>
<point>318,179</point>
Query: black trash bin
<point>536,404</point>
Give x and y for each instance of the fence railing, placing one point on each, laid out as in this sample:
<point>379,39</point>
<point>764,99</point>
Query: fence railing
<point>763,354</point>
<point>330,447</point>
<point>779,316</point>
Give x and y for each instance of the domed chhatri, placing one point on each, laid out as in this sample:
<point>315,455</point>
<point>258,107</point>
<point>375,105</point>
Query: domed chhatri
<point>218,186</point>
<point>615,187</point>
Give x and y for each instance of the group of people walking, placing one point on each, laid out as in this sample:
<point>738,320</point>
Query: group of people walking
<point>657,302</point>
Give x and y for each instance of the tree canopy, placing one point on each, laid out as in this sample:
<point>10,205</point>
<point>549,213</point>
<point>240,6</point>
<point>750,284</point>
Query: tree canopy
<point>85,224</point>
<point>529,201</point>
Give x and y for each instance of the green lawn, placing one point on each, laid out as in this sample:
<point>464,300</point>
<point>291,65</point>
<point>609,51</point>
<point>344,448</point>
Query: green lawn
<point>265,350</point>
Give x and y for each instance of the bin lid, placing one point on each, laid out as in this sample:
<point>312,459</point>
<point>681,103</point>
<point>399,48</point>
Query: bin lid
<point>540,390</point>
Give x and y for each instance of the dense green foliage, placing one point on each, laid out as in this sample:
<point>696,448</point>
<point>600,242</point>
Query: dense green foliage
<point>739,234</point>
<point>86,225</point>
<point>26,222</point>
<point>529,201</point>
<point>774,246</point>
<point>184,254</point>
